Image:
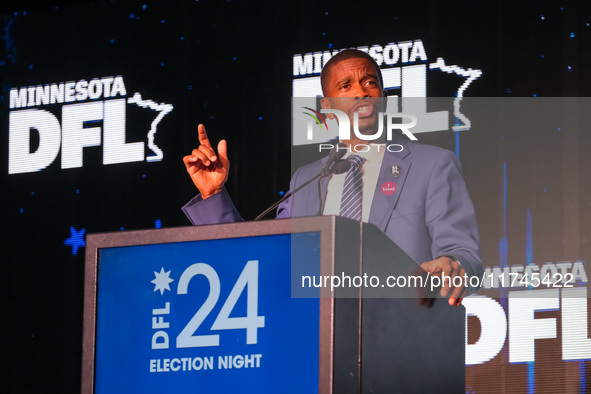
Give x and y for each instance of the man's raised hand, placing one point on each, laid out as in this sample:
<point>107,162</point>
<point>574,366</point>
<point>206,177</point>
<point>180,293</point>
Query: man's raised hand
<point>208,171</point>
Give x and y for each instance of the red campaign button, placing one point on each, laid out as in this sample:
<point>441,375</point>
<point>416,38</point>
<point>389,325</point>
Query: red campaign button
<point>388,188</point>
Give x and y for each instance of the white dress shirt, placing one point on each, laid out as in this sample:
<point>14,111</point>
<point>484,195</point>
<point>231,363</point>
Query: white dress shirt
<point>369,171</point>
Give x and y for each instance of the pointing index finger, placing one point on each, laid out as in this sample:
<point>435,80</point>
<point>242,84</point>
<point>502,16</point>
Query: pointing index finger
<point>203,140</point>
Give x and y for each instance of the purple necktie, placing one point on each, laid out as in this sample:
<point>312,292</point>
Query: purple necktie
<point>352,198</point>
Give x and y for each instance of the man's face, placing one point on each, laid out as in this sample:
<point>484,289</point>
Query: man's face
<point>353,86</point>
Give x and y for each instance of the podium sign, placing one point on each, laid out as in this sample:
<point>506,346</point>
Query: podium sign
<point>224,309</point>
<point>210,315</point>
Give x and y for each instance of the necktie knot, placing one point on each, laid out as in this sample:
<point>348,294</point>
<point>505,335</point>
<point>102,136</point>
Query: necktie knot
<point>356,162</point>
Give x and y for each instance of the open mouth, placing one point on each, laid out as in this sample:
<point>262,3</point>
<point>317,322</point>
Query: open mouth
<point>364,110</point>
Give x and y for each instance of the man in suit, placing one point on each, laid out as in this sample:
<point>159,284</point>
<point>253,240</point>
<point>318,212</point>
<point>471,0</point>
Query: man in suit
<point>416,195</point>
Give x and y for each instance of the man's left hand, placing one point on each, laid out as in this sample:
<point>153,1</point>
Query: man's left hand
<point>448,268</point>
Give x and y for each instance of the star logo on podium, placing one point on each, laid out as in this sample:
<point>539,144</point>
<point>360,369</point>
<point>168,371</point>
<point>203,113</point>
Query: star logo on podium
<point>162,281</point>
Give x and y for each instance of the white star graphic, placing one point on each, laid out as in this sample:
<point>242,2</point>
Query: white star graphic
<point>162,281</point>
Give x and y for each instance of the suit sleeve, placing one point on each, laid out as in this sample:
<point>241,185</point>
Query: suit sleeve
<point>284,209</point>
<point>216,209</point>
<point>450,216</point>
<point>219,209</point>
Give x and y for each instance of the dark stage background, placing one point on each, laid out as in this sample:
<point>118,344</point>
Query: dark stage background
<point>228,64</point>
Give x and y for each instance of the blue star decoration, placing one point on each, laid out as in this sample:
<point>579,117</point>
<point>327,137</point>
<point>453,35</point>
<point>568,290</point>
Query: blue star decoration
<point>76,240</point>
<point>162,281</point>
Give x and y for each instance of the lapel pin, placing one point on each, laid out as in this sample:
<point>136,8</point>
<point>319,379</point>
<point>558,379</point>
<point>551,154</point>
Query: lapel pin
<point>396,170</point>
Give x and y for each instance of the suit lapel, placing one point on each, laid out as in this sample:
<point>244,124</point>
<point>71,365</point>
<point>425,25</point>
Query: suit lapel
<point>383,203</point>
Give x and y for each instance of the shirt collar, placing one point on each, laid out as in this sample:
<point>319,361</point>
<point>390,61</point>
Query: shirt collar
<point>371,152</point>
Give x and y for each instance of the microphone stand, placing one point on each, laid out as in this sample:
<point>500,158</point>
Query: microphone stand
<point>339,167</point>
<point>286,196</point>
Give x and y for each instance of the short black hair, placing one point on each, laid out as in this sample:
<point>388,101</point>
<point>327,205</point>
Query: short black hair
<point>346,55</point>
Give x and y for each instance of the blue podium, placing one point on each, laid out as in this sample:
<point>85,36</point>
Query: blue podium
<point>235,308</point>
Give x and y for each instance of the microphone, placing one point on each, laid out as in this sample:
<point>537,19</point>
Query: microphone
<point>336,153</point>
<point>339,167</point>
